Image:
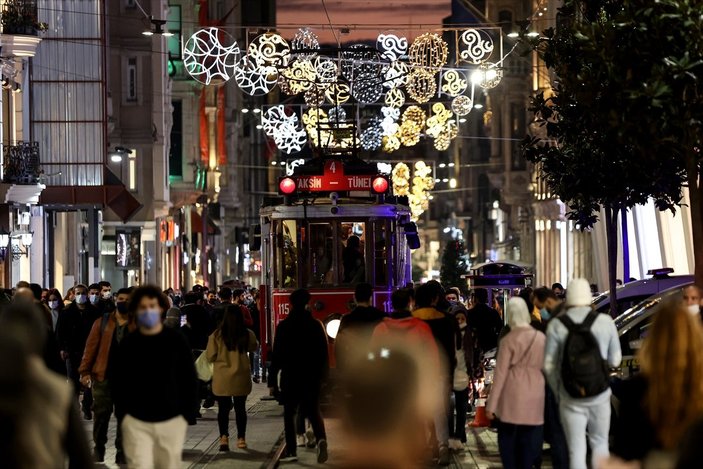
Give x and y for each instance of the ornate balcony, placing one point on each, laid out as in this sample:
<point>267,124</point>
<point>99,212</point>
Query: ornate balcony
<point>21,163</point>
<point>20,28</point>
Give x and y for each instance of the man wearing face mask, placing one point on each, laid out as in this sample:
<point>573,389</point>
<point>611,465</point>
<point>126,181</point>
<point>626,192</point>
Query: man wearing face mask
<point>548,304</point>
<point>692,298</point>
<point>72,330</point>
<point>154,385</point>
<point>238,298</point>
<point>97,369</point>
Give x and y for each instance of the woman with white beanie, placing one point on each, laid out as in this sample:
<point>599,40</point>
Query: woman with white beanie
<point>517,395</point>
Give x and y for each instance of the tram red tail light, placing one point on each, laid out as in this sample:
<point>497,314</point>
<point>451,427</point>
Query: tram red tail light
<point>287,186</point>
<point>380,185</point>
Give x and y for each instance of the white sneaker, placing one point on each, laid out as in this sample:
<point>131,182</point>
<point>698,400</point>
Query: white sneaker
<point>300,441</point>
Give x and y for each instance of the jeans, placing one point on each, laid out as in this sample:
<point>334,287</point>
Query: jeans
<point>457,415</point>
<point>154,445</point>
<point>72,364</point>
<point>240,414</point>
<point>307,402</point>
<point>102,408</point>
<point>520,445</point>
<point>255,362</point>
<point>554,432</point>
<point>578,419</point>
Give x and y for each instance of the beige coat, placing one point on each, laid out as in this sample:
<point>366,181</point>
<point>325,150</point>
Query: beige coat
<point>231,374</point>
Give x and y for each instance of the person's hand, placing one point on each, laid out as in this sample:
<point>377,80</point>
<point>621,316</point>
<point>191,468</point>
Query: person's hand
<point>64,355</point>
<point>85,380</point>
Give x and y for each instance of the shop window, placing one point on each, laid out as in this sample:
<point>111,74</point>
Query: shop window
<point>321,255</point>
<point>353,248</point>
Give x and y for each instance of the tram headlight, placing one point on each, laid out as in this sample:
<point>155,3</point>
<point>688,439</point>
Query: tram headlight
<point>287,186</point>
<point>332,323</point>
<point>380,185</point>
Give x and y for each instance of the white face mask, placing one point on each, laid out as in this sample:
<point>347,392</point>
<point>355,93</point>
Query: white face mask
<point>694,309</point>
<point>94,299</point>
<point>107,295</point>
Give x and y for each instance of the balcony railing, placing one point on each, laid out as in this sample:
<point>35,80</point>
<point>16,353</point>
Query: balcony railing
<point>21,163</point>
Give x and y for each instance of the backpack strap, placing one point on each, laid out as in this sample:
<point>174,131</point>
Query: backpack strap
<point>590,319</point>
<point>586,324</point>
<point>567,322</point>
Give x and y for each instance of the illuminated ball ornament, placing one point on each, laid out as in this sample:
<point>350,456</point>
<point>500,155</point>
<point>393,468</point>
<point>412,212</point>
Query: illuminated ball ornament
<point>390,143</point>
<point>429,51</point>
<point>391,46</point>
<point>409,133</point>
<point>487,75</point>
<point>422,86</point>
<point>401,180</point>
<point>207,59</point>
<point>372,136</point>
<point>269,50</point>
<point>315,96</point>
<point>395,98</point>
<point>367,90</point>
<point>462,105</point>
<point>361,61</point>
<point>337,114</point>
<point>414,114</point>
<point>254,80</point>
<point>454,83</point>
<point>305,43</point>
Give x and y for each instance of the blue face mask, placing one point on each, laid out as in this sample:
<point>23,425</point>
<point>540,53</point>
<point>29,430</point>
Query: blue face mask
<point>149,319</point>
<point>544,314</point>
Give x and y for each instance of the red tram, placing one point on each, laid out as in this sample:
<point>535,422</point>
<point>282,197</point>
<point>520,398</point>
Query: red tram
<point>337,227</point>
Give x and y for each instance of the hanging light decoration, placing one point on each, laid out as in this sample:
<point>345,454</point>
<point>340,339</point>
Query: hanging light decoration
<point>315,96</point>
<point>367,90</point>
<point>305,44</point>
<point>396,75</point>
<point>415,114</point>
<point>254,80</point>
<point>289,138</point>
<point>300,76</point>
<point>390,143</point>
<point>454,83</point>
<point>474,47</point>
<point>269,50</point>
<point>207,59</point>
<point>409,133</point>
<point>487,75</point>
<point>401,180</point>
<point>372,136</point>
<point>337,93</point>
<point>462,105</point>
<point>429,51</point>
<point>337,114</point>
<point>395,98</point>
<point>421,85</point>
<point>391,46</point>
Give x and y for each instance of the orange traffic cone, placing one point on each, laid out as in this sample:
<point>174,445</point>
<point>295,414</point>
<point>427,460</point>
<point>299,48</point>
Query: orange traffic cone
<point>480,418</point>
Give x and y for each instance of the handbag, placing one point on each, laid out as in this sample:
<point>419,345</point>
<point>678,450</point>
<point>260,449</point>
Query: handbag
<point>203,368</point>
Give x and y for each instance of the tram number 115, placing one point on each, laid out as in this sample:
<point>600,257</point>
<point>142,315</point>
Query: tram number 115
<point>283,309</point>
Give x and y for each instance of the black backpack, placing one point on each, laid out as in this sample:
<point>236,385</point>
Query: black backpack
<point>583,370</point>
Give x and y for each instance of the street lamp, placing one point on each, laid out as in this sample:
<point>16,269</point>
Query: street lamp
<point>118,153</point>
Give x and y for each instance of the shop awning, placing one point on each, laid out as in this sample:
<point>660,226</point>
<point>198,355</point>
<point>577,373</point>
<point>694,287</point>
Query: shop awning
<point>196,223</point>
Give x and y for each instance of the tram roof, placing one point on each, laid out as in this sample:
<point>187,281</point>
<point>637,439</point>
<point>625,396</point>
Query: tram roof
<point>343,211</point>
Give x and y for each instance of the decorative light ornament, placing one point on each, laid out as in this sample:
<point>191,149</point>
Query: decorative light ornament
<point>305,44</point>
<point>326,70</point>
<point>284,85</point>
<point>396,75</point>
<point>389,126</point>
<point>337,93</point>
<point>315,96</point>
<point>391,113</point>
<point>367,90</point>
<point>401,180</point>
<point>254,80</point>
<point>274,117</point>
<point>311,119</point>
<point>409,133</point>
<point>289,138</point>
<point>487,75</point>
<point>421,86</point>
<point>337,114</point>
<point>474,47</point>
<point>206,58</point>
<point>269,50</point>
<point>391,46</point>
<point>300,76</point>
<point>372,137</point>
<point>429,51</point>
<point>395,98</point>
<point>390,143</point>
<point>414,114</point>
<point>462,105</point>
<point>361,61</point>
<point>454,83</point>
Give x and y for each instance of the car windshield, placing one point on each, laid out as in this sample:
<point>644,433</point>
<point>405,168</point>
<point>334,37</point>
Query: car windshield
<point>639,309</point>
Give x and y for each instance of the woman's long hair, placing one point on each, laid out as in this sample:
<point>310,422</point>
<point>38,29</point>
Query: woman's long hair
<point>234,334</point>
<point>672,360</point>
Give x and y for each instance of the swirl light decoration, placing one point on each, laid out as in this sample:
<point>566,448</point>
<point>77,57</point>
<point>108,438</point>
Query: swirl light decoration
<point>269,50</point>
<point>487,75</point>
<point>337,93</point>
<point>454,83</point>
<point>390,143</point>
<point>300,76</point>
<point>429,51</point>
<point>422,184</point>
<point>254,80</point>
<point>396,75</point>
<point>289,138</point>
<point>311,119</point>
<point>421,86</point>
<point>401,180</point>
<point>462,105</point>
<point>391,46</point>
<point>395,98</point>
<point>474,47</point>
<point>206,58</point>
<point>305,44</point>
<point>440,116</point>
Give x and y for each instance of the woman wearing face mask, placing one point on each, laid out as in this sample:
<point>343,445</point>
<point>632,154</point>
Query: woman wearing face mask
<point>155,386</point>
<point>56,305</point>
<point>227,349</point>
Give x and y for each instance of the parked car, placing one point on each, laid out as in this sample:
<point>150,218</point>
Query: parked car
<point>633,293</point>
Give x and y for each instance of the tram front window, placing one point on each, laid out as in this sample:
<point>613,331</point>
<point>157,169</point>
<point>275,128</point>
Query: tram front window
<point>288,254</point>
<point>321,254</point>
<point>353,240</point>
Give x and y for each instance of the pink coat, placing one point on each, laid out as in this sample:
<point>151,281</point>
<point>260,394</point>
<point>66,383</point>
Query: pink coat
<point>517,394</point>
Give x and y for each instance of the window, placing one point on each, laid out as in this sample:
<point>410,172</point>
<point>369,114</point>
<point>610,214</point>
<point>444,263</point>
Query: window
<point>353,248</point>
<point>132,164</point>
<point>131,93</point>
<point>173,25</point>
<point>287,253</point>
<point>175,157</point>
<point>321,255</point>
<point>518,130</point>
<point>381,249</point>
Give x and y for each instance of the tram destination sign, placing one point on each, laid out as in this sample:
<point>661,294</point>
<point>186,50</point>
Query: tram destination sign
<point>334,179</point>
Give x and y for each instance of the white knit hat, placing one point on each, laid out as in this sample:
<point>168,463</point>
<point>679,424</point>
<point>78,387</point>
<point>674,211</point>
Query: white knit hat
<point>579,293</point>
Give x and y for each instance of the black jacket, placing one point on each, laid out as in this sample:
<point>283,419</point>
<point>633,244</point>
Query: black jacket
<point>355,330</point>
<point>635,436</point>
<point>73,328</point>
<point>300,352</point>
<point>486,324</point>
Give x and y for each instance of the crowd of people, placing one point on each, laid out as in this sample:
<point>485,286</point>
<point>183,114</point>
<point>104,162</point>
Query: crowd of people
<point>407,379</point>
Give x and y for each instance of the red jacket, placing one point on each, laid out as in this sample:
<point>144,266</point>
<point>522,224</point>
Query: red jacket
<point>411,332</point>
<point>97,348</point>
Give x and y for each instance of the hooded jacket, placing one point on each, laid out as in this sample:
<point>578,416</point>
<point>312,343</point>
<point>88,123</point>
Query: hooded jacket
<point>444,331</point>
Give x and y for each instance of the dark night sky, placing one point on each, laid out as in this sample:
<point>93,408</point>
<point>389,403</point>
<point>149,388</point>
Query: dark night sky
<point>370,17</point>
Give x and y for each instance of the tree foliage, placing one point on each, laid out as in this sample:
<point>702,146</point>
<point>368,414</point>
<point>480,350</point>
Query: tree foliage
<point>454,265</point>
